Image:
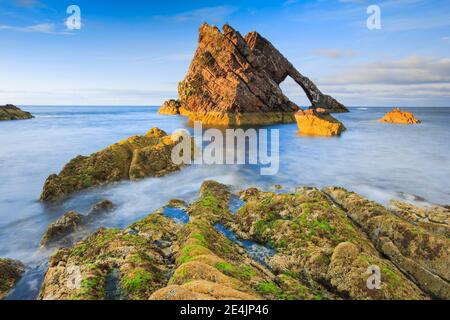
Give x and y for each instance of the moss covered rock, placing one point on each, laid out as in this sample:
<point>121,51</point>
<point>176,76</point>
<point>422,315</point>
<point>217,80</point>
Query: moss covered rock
<point>317,242</point>
<point>124,264</point>
<point>10,273</point>
<point>11,112</point>
<point>420,253</point>
<point>322,251</point>
<point>134,158</point>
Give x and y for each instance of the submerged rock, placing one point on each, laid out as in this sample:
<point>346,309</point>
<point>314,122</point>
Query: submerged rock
<point>399,117</point>
<point>317,242</point>
<point>134,158</point>
<point>234,80</point>
<point>100,208</point>
<point>11,112</point>
<point>10,272</point>
<point>60,231</point>
<point>315,123</point>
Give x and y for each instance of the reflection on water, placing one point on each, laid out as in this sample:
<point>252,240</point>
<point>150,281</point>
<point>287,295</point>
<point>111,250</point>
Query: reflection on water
<point>235,204</point>
<point>374,159</point>
<point>178,215</point>
<point>256,251</point>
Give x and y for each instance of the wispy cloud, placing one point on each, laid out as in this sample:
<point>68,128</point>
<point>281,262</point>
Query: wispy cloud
<point>47,28</point>
<point>413,80</point>
<point>334,53</point>
<point>29,3</point>
<point>210,14</point>
<point>410,70</point>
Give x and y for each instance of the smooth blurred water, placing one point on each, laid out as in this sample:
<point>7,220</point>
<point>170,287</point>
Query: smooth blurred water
<point>377,160</point>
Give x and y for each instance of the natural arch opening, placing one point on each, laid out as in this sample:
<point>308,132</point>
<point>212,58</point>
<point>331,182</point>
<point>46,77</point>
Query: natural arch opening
<point>294,92</point>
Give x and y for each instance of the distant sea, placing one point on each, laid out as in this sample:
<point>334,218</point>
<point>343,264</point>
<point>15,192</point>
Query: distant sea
<point>380,161</point>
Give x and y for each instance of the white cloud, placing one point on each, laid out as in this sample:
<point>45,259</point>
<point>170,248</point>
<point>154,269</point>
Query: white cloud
<point>29,3</point>
<point>413,81</point>
<point>47,28</point>
<point>334,53</point>
<point>410,70</point>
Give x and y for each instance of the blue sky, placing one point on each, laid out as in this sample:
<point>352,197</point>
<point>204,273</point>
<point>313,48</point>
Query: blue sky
<point>135,52</point>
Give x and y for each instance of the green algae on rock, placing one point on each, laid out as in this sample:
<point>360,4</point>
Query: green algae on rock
<point>323,251</point>
<point>11,112</point>
<point>134,158</point>
<point>315,240</point>
<point>420,253</point>
<point>10,273</point>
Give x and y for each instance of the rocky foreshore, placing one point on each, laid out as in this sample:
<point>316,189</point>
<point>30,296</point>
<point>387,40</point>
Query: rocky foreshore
<point>312,244</point>
<point>11,112</point>
<point>235,80</point>
<point>134,158</point>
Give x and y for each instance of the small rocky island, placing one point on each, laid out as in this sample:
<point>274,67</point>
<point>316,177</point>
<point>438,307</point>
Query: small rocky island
<point>398,116</point>
<point>234,80</point>
<point>310,244</point>
<point>318,122</point>
<point>131,159</point>
<point>11,112</point>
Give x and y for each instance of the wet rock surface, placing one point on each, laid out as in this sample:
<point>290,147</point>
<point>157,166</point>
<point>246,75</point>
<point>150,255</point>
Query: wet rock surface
<point>310,244</point>
<point>419,252</point>
<point>11,112</point>
<point>62,231</point>
<point>10,273</point>
<point>134,158</point>
<point>315,123</point>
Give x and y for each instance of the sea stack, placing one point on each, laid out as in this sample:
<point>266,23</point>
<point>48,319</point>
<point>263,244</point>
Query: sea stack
<point>234,80</point>
<point>11,112</point>
<point>398,116</point>
<point>318,123</point>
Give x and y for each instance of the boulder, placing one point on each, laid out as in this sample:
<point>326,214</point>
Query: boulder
<point>134,158</point>
<point>11,112</point>
<point>234,80</point>
<point>316,241</point>
<point>100,208</point>
<point>61,228</point>
<point>62,231</point>
<point>170,107</point>
<point>398,116</point>
<point>10,272</point>
<point>314,123</point>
